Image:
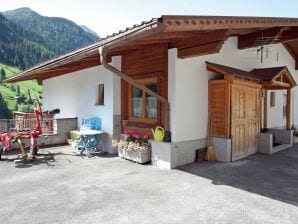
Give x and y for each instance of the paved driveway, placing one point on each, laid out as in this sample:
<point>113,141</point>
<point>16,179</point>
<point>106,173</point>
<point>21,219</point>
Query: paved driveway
<point>69,189</point>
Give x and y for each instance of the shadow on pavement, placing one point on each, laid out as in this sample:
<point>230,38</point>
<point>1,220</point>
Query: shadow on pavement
<point>274,176</point>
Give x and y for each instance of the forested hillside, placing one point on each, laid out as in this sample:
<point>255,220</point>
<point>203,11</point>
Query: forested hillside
<point>20,47</point>
<point>28,38</point>
<point>60,35</point>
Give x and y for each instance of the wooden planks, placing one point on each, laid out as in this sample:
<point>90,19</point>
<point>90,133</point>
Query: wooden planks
<point>204,38</point>
<point>204,49</point>
<point>245,117</point>
<point>217,107</point>
<point>250,40</point>
<point>235,109</point>
<point>150,61</point>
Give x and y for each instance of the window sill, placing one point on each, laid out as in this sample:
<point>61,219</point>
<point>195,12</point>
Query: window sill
<point>142,124</point>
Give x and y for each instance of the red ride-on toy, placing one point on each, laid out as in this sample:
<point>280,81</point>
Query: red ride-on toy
<point>22,139</point>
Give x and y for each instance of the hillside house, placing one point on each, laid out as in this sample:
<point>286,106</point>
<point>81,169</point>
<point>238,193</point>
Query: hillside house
<point>180,72</point>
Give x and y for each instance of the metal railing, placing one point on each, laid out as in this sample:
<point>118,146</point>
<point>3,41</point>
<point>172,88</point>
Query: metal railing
<point>48,125</point>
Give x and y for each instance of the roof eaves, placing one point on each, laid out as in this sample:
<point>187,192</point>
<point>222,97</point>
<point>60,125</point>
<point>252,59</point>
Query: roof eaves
<point>84,50</point>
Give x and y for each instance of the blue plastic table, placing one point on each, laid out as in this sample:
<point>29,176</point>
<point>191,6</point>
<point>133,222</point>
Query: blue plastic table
<point>90,140</point>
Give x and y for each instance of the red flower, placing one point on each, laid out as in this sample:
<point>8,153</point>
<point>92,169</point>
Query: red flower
<point>146,137</point>
<point>137,136</point>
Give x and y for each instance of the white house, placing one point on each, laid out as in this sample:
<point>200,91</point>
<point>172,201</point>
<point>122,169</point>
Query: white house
<point>175,57</point>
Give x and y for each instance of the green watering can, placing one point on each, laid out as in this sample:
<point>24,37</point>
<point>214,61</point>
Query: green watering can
<point>158,133</point>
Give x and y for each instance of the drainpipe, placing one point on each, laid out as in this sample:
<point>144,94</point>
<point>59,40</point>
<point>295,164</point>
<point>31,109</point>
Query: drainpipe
<point>103,56</point>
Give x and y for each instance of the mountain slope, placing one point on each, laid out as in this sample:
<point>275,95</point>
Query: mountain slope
<point>20,47</point>
<point>60,35</point>
<point>88,30</point>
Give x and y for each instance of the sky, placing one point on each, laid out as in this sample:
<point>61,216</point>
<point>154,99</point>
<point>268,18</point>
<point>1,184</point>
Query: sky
<point>109,16</point>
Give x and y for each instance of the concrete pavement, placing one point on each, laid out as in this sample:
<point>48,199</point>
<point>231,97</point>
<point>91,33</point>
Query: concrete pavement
<point>65,188</point>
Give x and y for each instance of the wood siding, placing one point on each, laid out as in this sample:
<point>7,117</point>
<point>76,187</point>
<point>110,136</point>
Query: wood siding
<point>234,107</point>
<point>146,62</point>
<point>217,104</point>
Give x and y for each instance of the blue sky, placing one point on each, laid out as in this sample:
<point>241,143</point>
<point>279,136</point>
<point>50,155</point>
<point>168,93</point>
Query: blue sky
<point>108,16</point>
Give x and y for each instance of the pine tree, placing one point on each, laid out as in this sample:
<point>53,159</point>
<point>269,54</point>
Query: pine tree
<point>18,90</point>
<point>30,101</point>
<point>2,74</point>
<point>4,111</point>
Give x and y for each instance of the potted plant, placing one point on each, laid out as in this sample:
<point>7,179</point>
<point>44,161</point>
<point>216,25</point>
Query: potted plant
<point>135,148</point>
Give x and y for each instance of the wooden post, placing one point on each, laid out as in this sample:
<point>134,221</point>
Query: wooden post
<point>265,125</point>
<point>288,117</point>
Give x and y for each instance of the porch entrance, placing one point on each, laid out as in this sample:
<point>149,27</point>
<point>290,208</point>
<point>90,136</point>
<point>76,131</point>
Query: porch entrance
<point>245,120</point>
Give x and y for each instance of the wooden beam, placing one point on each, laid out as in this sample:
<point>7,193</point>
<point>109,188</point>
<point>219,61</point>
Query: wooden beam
<point>200,50</point>
<point>155,39</point>
<point>275,85</point>
<point>265,117</point>
<point>74,65</point>
<point>269,35</point>
<point>42,75</point>
<point>171,35</point>
<point>200,39</point>
<point>188,23</point>
<point>137,84</point>
<point>288,117</point>
<point>282,84</point>
<point>289,35</point>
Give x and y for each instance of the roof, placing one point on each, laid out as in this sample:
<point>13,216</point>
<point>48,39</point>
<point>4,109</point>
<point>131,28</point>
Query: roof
<point>267,74</point>
<point>260,74</point>
<point>226,70</point>
<point>166,29</point>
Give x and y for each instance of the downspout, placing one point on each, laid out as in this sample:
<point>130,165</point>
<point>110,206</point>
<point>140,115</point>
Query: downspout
<point>103,56</point>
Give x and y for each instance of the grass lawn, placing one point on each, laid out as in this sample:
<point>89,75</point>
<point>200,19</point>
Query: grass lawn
<point>9,90</point>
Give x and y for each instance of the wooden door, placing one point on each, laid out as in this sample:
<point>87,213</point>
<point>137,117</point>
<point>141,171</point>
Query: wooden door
<point>245,120</point>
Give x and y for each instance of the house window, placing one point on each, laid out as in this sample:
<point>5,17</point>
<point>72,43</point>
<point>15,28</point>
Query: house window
<point>142,106</point>
<point>272,99</point>
<point>100,95</point>
<point>284,106</point>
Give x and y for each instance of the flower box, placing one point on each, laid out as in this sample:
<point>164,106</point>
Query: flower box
<point>134,151</point>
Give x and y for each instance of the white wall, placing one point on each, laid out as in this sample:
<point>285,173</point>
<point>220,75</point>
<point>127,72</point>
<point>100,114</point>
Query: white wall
<point>188,86</point>
<point>75,95</point>
<point>275,114</point>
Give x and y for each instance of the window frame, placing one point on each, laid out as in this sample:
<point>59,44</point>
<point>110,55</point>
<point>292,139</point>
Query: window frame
<point>272,99</point>
<point>100,95</point>
<point>143,118</point>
